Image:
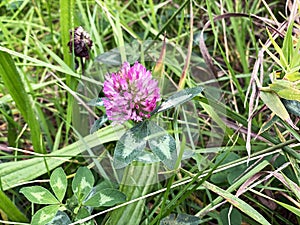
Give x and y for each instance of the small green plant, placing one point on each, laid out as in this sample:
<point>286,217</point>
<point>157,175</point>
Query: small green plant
<point>283,93</point>
<point>85,197</point>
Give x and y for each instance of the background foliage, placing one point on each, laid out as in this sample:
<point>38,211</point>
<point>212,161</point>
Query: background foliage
<point>243,130</point>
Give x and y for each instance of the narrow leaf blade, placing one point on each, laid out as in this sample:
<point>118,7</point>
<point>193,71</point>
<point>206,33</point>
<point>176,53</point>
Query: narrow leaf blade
<point>10,209</point>
<point>13,82</point>
<point>238,203</point>
<point>276,106</point>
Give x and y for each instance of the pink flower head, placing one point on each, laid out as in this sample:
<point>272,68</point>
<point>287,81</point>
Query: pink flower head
<point>131,93</point>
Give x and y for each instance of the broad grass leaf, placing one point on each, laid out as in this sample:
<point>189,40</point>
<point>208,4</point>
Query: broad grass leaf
<point>66,11</point>
<point>291,208</point>
<point>130,145</point>
<point>9,209</point>
<point>106,197</point>
<point>178,98</point>
<point>61,218</point>
<point>181,219</point>
<point>13,82</point>
<point>39,195</point>
<point>276,106</point>
<point>82,183</point>
<point>44,215</point>
<point>58,183</point>
<point>162,144</point>
<point>16,172</point>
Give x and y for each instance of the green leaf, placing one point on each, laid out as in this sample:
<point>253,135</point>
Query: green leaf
<point>14,84</point>
<point>285,89</point>
<point>16,172</point>
<point>106,197</point>
<point>103,185</point>
<point>83,183</point>
<point>147,157</point>
<point>98,124</point>
<point>133,50</point>
<point>181,219</point>
<point>110,58</point>
<point>130,145</point>
<point>235,217</point>
<point>67,10</point>
<point>39,195</point>
<point>238,203</point>
<point>268,124</point>
<point>96,102</point>
<point>287,47</point>
<point>178,98</point>
<point>291,208</point>
<point>292,76</point>
<point>12,126</point>
<point>58,183</point>
<point>229,175</point>
<point>162,144</point>
<point>61,218</point>
<point>283,60</point>
<point>44,215</point>
<point>83,213</point>
<point>276,106</point>
<point>9,208</point>
<point>295,60</point>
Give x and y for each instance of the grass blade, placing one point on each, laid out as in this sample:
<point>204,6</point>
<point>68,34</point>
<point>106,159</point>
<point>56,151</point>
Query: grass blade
<point>238,203</point>
<point>9,208</point>
<point>13,82</point>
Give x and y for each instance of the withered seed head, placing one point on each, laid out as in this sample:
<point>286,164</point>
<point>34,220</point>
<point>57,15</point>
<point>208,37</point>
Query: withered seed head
<point>82,42</point>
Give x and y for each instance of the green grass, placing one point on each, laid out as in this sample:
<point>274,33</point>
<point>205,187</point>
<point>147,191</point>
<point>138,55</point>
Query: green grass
<point>45,121</point>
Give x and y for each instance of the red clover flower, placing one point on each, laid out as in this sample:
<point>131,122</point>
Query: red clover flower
<point>131,93</point>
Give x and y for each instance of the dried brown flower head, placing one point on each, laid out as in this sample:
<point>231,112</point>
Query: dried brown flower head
<point>82,42</point>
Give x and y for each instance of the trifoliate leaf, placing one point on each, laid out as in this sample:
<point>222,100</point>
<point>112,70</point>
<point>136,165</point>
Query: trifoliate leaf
<point>130,145</point>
